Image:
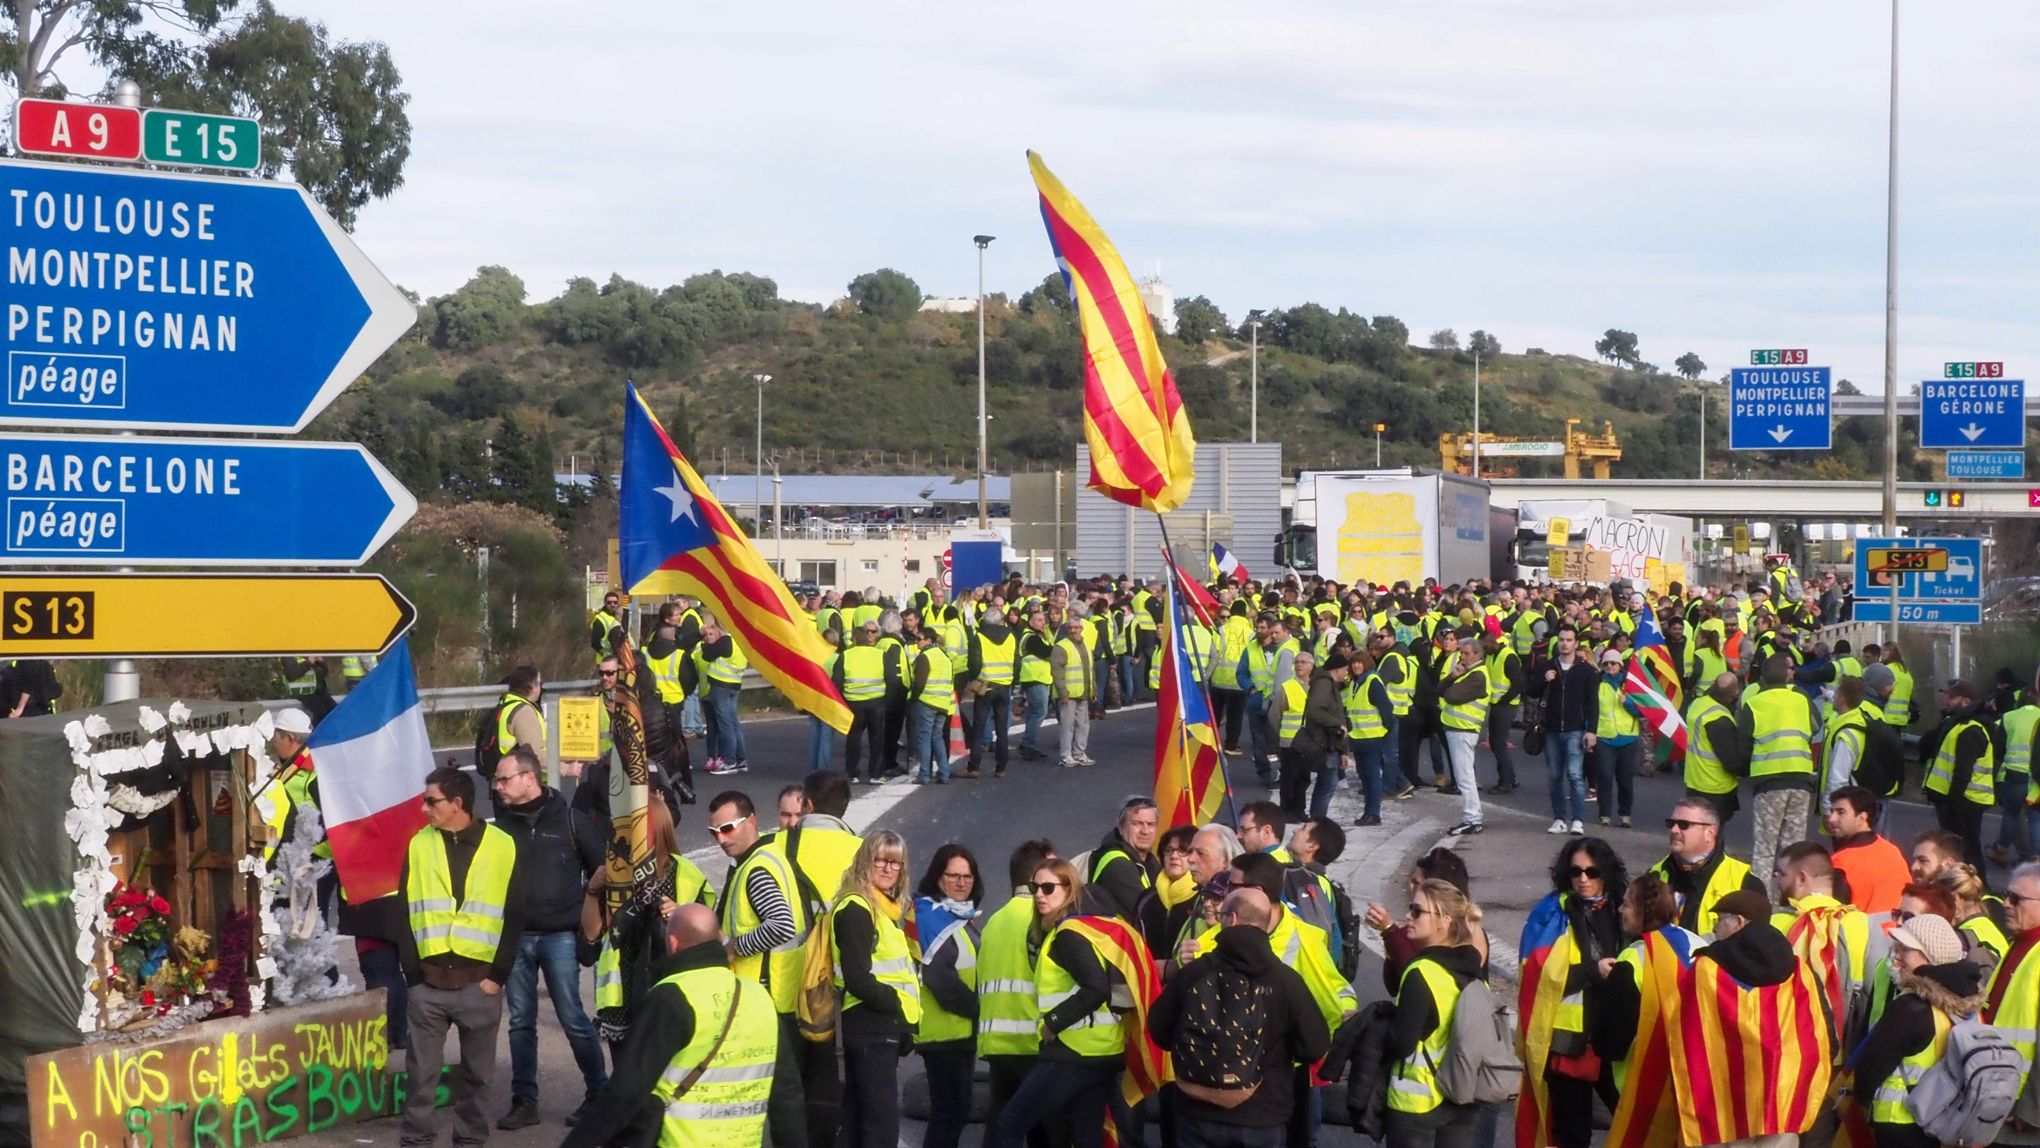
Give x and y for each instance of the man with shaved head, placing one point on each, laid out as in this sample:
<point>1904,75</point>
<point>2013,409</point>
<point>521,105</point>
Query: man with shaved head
<point>1836,936</point>
<point>690,1002</point>
<point>1294,1035</point>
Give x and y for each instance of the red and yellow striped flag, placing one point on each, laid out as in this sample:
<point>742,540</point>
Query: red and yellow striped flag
<point>1747,1060</point>
<point>1142,451</point>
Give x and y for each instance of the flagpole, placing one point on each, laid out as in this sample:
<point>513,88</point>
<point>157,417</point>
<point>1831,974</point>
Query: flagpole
<point>1169,554</point>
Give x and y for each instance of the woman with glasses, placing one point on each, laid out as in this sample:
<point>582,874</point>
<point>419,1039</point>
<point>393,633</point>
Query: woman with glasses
<point>945,915</point>
<point>1441,920</point>
<point>1083,1046</point>
<point>1569,946</point>
<point>878,989</point>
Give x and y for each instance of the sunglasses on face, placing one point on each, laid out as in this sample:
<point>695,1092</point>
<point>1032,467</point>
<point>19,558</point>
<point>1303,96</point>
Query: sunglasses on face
<point>1416,910</point>
<point>1901,916</point>
<point>1041,887</point>
<point>1590,872</point>
<point>726,828</point>
<point>1682,823</point>
<point>2012,898</point>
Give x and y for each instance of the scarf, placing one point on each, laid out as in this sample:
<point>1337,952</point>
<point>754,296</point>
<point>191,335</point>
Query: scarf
<point>934,918</point>
<point>1176,890</point>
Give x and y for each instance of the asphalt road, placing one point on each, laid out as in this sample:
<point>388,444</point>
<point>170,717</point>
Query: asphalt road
<point>1075,808</point>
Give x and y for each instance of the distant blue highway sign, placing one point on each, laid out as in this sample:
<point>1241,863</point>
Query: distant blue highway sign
<point>1951,597</point>
<point>1986,464</point>
<point>90,500</point>
<point>1780,408</point>
<point>1958,414</point>
<point>160,301</point>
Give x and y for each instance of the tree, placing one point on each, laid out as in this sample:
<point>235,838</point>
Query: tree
<point>485,310</point>
<point>680,428</point>
<point>1483,344</point>
<point>1198,319</point>
<point>1618,346</point>
<point>332,113</point>
<point>1846,387</point>
<point>1445,339</point>
<point>1052,297</point>
<point>885,293</point>
<point>1690,365</point>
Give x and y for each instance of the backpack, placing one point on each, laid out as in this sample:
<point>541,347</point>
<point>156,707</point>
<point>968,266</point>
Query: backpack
<point>1305,897</point>
<point>1218,1048</point>
<point>488,750</point>
<point>1883,763</point>
<point>1480,1065</point>
<point>1967,1095</point>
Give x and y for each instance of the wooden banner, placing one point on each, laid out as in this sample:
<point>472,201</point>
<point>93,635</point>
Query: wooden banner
<point>241,1081</point>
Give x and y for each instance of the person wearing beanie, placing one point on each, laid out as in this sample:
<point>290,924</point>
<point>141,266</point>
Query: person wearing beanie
<point>1937,985</point>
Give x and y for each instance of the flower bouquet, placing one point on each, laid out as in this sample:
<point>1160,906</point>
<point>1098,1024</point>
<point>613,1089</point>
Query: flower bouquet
<point>140,920</point>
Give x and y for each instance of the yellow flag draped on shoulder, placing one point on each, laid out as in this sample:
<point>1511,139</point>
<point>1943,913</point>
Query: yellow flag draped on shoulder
<point>1142,451</point>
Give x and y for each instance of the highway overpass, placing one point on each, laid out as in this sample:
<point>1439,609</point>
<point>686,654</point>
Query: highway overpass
<point>1763,499</point>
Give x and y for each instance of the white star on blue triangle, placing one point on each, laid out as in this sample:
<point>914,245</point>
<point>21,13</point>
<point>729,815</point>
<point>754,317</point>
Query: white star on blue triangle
<point>659,515</point>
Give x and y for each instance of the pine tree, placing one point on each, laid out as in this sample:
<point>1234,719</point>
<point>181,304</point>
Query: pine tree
<point>680,429</point>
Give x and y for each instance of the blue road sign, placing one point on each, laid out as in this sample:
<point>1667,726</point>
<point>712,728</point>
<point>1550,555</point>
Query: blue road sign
<point>1780,408</point>
<point>1986,464</point>
<point>1957,414</point>
<point>1953,597</point>
<point>92,500</point>
<point>165,301</point>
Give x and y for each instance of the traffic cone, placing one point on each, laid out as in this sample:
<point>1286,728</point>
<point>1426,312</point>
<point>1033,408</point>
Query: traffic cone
<point>957,747</point>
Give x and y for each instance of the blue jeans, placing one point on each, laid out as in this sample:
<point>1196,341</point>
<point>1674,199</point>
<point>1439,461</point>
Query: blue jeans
<point>1127,664</point>
<point>931,742</point>
<point>1037,704</point>
<point>383,969</point>
<point>555,953</point>
<point>821,746</point>
<point>1327,780</point>
<point>1391,750</point>
<point>690,714</point>
<point>726,735</point>
<point>1565,763</point>
<point>1367,763</point>
<point>991,713</point>
<point>1082,1093</point>
<point>1257,735</point>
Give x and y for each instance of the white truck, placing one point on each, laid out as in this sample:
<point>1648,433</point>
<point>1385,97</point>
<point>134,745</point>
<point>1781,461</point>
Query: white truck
<point>1630,540</point>
<point>1387,526</point>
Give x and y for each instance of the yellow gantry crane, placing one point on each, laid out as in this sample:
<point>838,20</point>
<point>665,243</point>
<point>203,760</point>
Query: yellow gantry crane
<point>1455,451</point>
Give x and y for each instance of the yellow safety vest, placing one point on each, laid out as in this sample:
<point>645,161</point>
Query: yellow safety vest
<point>1076,669</point>
<point>1413,1080</point>
<point>1783,727</point>
<point>507,741</point>
<point>2018,726</point>
<point>891,962</point>
<point>1985,932</point>
<point>1888,1103</point>
<point>352,669</point>
<point>863,673</point>
<point>608,622</point>
<point>1142,620</point>
<point>2018,1011</point>
<point>1009,1018</point>
<point>729,671</point>
<point>1706,665</point>
<point>1728,877</point>
<point>1034,669</point>
<point>304,685</point>
<point>1898,707</point>
<point>473,926</point>
<point>938,1023</point>
<point>1982,788</point>
<point>995,659</point>
<point>726,1103</point>
<point>666,675</point>
<point>939,693</point>
<point>1294,696</point>
<point>1399,681</point>
<point>1261,662</point>
<point>1467,715</point>
<point>1363,721</point>
<point>780,969</point>
<point>1234,638</point>
<point>1499,679</point>
<point>1614,718</point>
<point>1098,1034</point>
<point>1704,771</point>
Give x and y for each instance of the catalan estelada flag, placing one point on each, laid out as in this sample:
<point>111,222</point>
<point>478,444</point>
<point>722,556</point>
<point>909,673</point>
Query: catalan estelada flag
<point>675,538</point>
<point>1548,957</point>
<point>1189,771</point>
<point>1646,1116</point>
<point>1747,1060</point>
<point>1142,451</point>
<point>1147,1067</point>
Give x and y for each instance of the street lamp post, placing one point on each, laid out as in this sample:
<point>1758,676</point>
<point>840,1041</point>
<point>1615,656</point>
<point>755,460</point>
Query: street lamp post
<point>1891,307</point>
<point>1254,374</point>
<point>1378,428</point>
<point>758,456</point>
<point>984,512</point>
<point>1476,414</point>
<point>1701,390</point>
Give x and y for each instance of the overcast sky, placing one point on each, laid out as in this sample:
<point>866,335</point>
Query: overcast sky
<point>1707,173</point>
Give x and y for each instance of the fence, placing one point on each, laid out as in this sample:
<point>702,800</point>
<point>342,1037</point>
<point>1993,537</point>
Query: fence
<point>467,699</point>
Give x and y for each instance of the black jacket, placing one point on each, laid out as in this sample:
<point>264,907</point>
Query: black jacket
<point>1360,1053</point>
<point>877,1010</point>
<point>557,847</point>
<point>1118,890</point>
<point>625,1110</point>
<point>1295,1034</point>
<point>1572,701</point>
<point>1757,955</point>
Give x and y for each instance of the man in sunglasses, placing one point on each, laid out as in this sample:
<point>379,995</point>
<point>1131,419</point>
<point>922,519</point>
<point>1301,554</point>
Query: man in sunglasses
<point>2013,1001</point>
<point>1698,869</point>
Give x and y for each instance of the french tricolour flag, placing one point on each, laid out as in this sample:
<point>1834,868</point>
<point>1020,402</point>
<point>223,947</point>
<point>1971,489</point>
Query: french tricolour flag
<point>372,755</point>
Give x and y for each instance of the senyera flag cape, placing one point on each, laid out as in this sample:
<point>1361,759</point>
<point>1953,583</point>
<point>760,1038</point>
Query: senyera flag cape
<point>1147,1066</point>
<point>1548,957</point>
<point>675,538</point>
<point>1190,780</point>
<point>1142,451</point>
<point>1746,1060</point>
<point>1646,1115</point>
<point>371,755</point>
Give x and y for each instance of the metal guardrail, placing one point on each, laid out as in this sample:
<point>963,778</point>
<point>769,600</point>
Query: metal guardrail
<point>466,699</point>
